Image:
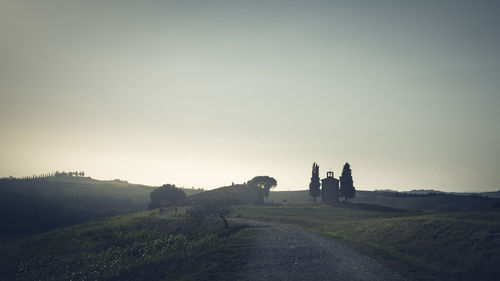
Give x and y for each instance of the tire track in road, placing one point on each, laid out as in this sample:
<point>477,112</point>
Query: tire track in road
<point>282,252</point>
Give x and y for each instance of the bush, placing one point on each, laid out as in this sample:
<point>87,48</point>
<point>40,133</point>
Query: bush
<point>167,194</point>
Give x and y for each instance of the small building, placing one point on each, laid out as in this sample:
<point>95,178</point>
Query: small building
<point>329,188</point>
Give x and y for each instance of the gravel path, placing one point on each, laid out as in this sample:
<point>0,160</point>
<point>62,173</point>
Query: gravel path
<point>283,252</point>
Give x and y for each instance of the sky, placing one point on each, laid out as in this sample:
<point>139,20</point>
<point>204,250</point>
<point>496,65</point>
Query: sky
<point>206,93</point>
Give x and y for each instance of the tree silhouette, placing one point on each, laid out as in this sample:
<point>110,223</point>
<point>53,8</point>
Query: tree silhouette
<point>167,193</point>
<point>315,184</point>
<point>218,208</point>
<point>347,189</point>
<point>264,184</point>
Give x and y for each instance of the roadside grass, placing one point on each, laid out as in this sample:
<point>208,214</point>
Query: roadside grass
<point>139,246</point>
<point>426,246</point>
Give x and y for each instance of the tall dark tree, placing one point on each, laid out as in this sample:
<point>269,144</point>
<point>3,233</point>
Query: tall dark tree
<point>264,184</point>
<point>167,193</point>
<point>347,189</point>
<point>315,184</point>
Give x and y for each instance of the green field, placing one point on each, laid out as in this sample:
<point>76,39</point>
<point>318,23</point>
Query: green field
<point>439,202</point>
<point>426,246</point>
<point>129,247</point>
<point>142,246</point>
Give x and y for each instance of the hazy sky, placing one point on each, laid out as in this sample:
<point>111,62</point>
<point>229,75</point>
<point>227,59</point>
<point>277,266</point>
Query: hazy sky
<point>204,93</point>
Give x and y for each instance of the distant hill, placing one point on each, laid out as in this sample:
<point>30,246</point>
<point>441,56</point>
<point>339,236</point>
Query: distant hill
<point>289,196</point>
<point>424,191</point>
<point>36,205</point>
<point>239,194</point>
<point>492,194</point>
<point>23,215</point>
<point>429,200</point>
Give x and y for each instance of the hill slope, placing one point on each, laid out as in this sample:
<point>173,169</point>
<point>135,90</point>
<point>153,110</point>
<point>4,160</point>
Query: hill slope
<point>35,205</point>
<point>239,194</point>
<point>428,202</point>
<point>424,246</point>
<point>402,200</point>
<point>129,247</point>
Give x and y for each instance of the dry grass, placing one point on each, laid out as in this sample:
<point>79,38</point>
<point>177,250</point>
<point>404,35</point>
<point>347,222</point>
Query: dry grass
<point>454,246</point>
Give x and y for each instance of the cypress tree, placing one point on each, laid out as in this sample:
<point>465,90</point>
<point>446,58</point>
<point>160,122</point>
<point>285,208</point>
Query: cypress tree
<point>347,189</point>
<point>315,184</point>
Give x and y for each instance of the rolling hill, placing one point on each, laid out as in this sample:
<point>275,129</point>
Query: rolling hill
<point>36,205</point>
<point>239,194</point>
<point>138,246</point>
<point>145,246</point>
<point>422,201</point>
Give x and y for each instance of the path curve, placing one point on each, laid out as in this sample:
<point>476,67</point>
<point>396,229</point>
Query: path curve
<point>282,252</point>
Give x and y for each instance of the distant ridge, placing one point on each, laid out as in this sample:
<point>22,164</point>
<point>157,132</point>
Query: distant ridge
<point>428,201</point>
<point>41,203</point>
<point>424,191</point>
<point>238,194</point>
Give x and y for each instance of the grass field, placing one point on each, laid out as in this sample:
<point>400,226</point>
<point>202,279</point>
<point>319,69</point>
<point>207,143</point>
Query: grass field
<point>427,246</point>
<point>439,202</point>
<point>129,247</point>
<point>142,246</point>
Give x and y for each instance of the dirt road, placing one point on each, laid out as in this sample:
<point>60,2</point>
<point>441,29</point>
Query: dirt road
<point>283,252</point>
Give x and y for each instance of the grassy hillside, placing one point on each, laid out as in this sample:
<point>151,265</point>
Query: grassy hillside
<point>23,215</point>
<point>459,245</point>
<point>428,246</point>
<point>492,194</point>
<point>289,196</point>
<point>136,194</point>
<point>35,205</point>
<point>129,247</point>
<point>142,246</point>
<point>83,192</point>
<point>401,200</point>
<point>430,202</point>
<point>239,194</point>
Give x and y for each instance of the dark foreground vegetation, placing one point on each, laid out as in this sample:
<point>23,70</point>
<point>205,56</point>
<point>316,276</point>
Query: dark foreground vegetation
<point>148,246</point>
<point>140,246</point>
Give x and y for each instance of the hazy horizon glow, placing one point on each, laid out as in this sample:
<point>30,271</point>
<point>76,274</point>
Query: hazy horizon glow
<point>206,93</point>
